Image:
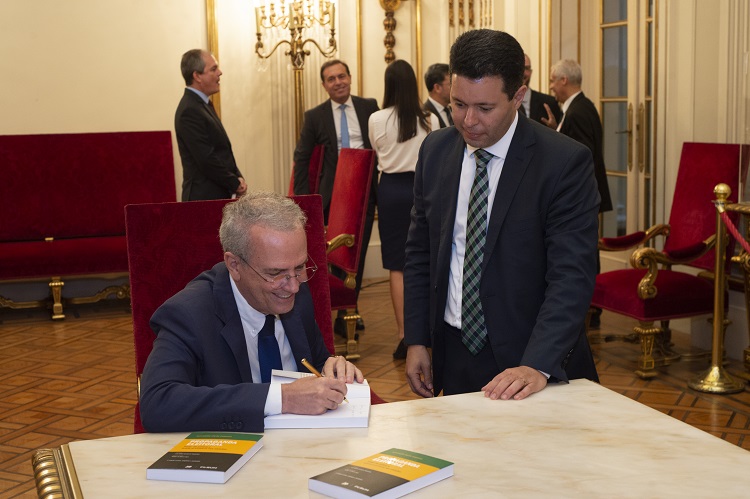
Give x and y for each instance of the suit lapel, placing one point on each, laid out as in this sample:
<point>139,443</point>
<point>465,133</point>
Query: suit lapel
<point>450,175</point>
<point>232,332</point>
<point>519,156</point>
<point>329,127</point>
<point>431,108</point>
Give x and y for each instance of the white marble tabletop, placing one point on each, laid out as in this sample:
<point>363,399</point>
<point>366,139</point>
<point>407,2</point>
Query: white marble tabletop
<point>577,440</point>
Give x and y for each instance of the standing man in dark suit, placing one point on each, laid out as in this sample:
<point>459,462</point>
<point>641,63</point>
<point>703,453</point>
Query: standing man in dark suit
<point>341,121</point>
<point>501,253</point>
<point>534,102</point>
<point>218,339</point>
<point>438,82</point>
<point>581,122</point>
<point>208,167</point>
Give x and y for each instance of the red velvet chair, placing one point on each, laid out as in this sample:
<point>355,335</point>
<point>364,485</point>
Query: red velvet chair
<point>171,243</point>
<point>313,171</point>
<point>346,223</point>
<point>651,291</point>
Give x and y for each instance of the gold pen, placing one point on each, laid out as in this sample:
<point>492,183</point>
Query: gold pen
<point>312,369</point>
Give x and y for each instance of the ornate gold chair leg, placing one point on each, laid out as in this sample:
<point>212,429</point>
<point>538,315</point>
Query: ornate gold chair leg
<point>646,363</point>
<point>352,346</point>
<point>55,287</point>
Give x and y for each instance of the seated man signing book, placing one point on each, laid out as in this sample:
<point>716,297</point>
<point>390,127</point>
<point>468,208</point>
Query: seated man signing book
<point>219,338</point>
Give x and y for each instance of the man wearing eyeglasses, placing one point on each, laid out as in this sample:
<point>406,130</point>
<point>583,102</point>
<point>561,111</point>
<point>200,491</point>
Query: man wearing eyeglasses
<point>218,339</point>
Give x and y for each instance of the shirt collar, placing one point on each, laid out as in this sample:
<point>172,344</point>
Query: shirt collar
<point>567,102</point>
<point>499,148</point>
<point>248,314</point>
<point>437,105</point>
<point>349,103</point>
<point>203,96</point>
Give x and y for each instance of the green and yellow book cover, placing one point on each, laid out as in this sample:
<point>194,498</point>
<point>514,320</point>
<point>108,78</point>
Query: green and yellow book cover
<point>203,456</point>
<point>392,473</point>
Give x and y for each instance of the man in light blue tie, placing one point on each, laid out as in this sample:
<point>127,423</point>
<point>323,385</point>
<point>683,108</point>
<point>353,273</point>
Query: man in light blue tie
<point>341,121</point>
<point>218,339</point>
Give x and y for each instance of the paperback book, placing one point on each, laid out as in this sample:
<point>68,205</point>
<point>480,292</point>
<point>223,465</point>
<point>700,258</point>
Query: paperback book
<point>206,456</point>
<point>353,413</point>
<point>389,474</point>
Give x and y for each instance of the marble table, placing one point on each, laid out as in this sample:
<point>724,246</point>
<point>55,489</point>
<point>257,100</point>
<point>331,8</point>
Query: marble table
<point>576,440</point>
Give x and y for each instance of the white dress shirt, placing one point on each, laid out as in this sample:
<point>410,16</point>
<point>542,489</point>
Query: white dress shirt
<point>252,323</point>
<point>356,141</point>
<point>395,156</point>
<point>499,150</point>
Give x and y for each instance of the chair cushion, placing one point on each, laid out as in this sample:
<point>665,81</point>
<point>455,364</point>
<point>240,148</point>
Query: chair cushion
<point>86,255</point>
<point>678,295</point>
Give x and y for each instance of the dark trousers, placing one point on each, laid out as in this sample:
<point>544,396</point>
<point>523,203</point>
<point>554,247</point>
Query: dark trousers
<point>461,371</point>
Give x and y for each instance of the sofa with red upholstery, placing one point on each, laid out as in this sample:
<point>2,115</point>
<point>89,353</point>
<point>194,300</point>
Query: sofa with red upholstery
<point>62,199</point>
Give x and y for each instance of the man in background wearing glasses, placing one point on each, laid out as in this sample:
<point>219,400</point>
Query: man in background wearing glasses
<point>218,339</point>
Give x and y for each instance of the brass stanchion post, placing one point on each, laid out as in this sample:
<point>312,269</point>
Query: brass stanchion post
<point>716,379</point>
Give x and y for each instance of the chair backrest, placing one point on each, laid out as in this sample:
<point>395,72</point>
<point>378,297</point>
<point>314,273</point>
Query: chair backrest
<point>348,208</point>
<point>169,244</point>
<point>693,219</point>
<point>313,171</point>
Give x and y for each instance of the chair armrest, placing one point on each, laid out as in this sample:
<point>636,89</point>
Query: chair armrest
<point>632,240</point>
<point>339,241</point>
<point>649,259</point>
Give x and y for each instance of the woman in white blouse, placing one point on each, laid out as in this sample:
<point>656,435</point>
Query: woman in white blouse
<point>396,133</point>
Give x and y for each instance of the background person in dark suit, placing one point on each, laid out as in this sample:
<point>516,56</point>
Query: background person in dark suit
<point>323,125</point>
<point>438,81</point>
<point>206,370</point>
<point>581,122</point>
<point>533,276</point>
<point>208,167</point>
<point>533,101</point>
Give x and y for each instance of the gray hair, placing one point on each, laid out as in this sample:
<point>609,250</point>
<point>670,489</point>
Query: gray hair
<point>569,69</point>
<point>266,209</point>
<point>192,61</point>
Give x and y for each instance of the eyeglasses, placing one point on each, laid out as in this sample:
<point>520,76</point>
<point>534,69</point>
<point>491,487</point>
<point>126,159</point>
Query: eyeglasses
<point>277,281</point>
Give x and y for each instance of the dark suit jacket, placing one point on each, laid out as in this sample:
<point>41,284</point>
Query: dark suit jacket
<point>537,102</point>
<point>208,167</point>
<point>582,123</point>
<point>539,259</point>
<point>198,375</point>
<point>319,128</point>
<point>429,106</point>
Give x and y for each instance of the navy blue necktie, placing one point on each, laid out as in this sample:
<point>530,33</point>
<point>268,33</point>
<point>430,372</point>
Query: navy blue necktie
<point>269,355</point>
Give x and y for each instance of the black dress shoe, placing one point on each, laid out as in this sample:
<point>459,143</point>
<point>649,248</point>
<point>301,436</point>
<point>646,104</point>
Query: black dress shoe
<point>400,351</point>
<point>339,327</point>
<point>595,322</point>
<point>360,324</point>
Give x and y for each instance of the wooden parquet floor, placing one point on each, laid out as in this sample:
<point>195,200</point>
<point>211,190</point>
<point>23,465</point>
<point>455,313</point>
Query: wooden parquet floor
<point>74,379</point>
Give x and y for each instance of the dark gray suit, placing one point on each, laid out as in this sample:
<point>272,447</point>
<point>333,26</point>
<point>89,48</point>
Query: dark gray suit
<point>539,259</point>
<point>198,376</point>
<point>582,123</point>
<point>208,167</point>
<point>429,106</point>
<point>536,105</point>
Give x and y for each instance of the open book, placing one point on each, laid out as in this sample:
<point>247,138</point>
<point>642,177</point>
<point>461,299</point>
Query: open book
<point>352,414</point>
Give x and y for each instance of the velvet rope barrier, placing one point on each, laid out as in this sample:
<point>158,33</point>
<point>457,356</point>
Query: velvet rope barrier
<point>733,230</point>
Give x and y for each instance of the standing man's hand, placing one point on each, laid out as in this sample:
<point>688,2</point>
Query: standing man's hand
<point>242,189</point>
<point>516,382</point>
<point>550,120</point>
<point>419,370</point>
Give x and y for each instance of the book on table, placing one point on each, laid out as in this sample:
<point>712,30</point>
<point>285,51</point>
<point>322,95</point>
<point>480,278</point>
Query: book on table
<point>353,413</point>
<point>206,456</point>
<point>392,473</point>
